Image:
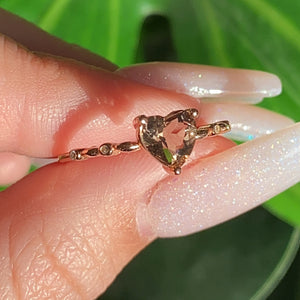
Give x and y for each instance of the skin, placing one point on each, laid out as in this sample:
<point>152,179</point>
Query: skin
<point>67,230</point>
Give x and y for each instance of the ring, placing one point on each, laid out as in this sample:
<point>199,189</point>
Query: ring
<point>169,139</point>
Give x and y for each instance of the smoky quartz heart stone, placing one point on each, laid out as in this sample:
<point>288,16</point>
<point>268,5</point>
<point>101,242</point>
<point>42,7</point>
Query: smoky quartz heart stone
<point>169,139</point>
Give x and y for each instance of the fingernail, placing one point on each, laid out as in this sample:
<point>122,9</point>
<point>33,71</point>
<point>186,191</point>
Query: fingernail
<point>13,167</point>
<point>200,81</point>
<point>245,127</point>
<point>222,186</point>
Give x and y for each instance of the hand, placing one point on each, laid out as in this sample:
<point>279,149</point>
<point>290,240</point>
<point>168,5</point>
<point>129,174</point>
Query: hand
<point>68,229</point>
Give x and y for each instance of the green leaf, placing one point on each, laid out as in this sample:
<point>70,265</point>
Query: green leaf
<point>241,259</point>
<point>286,206</point>
<point>2,188</point>
<point>108,27</point>
<point>245,257</point>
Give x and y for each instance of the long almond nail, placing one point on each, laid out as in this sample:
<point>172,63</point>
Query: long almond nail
<point>247,121</point>
<point>200,81</point>
<point>223,186</point>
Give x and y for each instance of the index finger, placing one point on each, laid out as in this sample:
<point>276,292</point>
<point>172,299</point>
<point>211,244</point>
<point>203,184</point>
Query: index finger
<point>50,105</point>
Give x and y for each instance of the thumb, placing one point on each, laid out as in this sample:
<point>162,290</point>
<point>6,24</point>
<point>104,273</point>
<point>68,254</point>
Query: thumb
<point>65,238</point>
<point>69,229</point>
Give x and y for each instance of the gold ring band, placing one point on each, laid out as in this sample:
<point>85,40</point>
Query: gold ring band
<point>169,139</point>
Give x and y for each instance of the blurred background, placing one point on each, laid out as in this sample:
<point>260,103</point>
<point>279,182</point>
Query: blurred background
<point>245,258</point>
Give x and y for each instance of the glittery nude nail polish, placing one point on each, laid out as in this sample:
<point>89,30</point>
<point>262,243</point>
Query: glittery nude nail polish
<point>201,81</point>
<point>247,121</point>
<point>222,186</point>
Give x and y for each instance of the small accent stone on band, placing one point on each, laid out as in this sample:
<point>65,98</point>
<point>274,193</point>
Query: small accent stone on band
<point>106,149</point>
<point>75,155</point>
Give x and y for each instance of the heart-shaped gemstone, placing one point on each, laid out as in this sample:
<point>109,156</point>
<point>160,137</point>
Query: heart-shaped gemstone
<point>169,139</point>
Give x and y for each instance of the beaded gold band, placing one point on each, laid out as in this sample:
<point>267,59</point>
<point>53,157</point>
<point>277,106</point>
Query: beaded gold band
<point>169,139</point>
